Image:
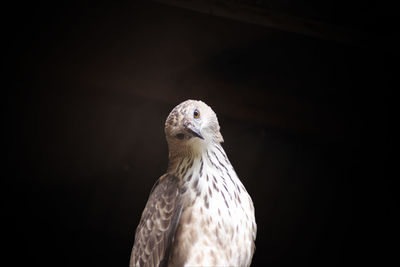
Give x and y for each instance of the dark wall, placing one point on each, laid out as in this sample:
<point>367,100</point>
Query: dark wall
<point>306,122</point>
<point>349,13</point>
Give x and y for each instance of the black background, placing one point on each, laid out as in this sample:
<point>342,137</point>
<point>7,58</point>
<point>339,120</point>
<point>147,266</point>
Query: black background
<point>307,125</point>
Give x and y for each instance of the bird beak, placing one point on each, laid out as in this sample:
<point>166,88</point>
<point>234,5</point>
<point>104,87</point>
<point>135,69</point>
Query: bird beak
<point>193,131</point>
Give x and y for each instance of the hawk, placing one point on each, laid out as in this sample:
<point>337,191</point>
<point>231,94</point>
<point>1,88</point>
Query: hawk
<point>198,213</point>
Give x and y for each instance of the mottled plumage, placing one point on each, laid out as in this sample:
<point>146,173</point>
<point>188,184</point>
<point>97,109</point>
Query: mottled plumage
<point>198,213</point>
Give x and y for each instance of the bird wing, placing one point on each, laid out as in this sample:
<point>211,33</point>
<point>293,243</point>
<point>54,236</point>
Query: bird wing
<point>157,226</point>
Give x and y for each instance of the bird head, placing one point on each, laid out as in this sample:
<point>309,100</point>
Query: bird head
<point>191,126</point>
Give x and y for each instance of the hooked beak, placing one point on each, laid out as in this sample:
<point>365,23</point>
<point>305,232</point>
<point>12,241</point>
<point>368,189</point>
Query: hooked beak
<point>193,131</point>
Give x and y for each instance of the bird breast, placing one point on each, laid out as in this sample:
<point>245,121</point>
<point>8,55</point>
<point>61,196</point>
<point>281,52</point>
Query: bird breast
<point>217,225</point>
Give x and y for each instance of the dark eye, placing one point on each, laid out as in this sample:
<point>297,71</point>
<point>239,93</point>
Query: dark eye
<point>196,114</point>
<point>180,136</point>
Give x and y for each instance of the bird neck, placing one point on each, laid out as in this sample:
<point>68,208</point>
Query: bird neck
<point>211,159</point>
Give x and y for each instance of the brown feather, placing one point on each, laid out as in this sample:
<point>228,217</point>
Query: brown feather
<point>157,226</point>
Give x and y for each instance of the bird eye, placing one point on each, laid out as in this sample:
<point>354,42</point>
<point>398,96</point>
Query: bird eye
<point>180,136</point>
<point>196,114</point>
